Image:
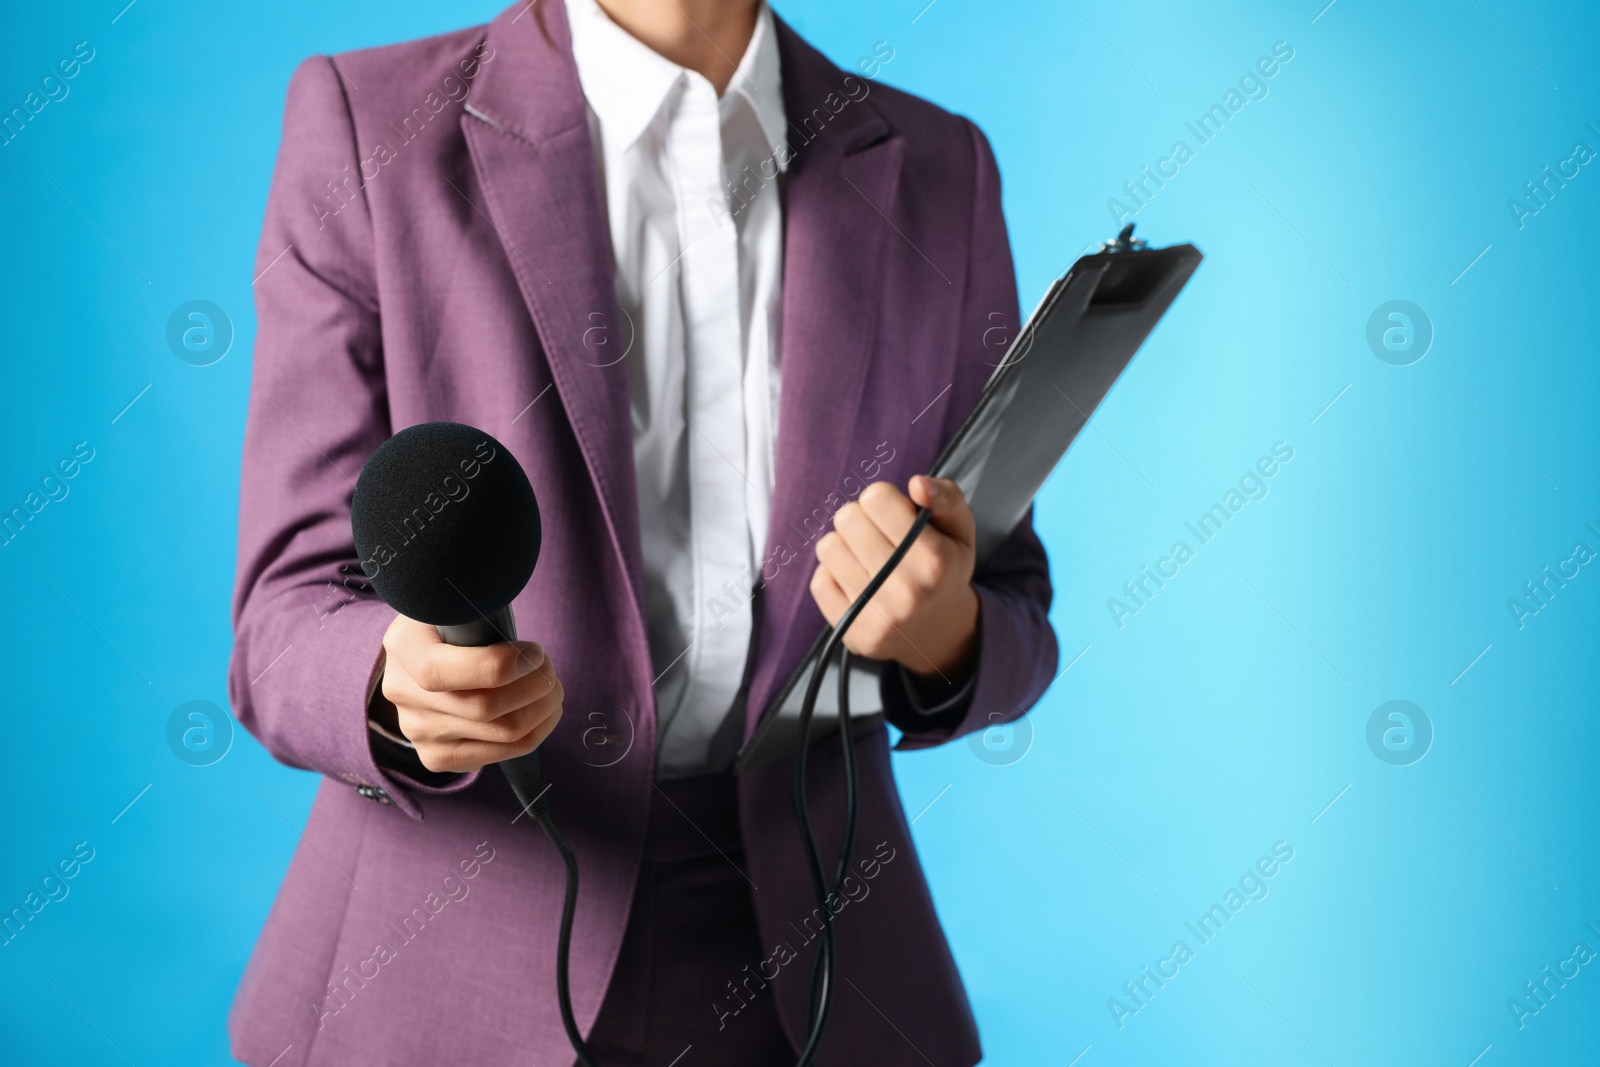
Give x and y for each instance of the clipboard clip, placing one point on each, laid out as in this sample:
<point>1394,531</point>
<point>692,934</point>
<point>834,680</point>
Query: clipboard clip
<point>1124,242</point>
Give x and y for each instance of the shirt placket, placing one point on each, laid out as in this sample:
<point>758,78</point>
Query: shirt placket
<point>709,273</point>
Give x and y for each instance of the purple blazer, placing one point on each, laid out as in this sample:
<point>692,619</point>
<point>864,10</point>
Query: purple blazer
<point>435,247</point>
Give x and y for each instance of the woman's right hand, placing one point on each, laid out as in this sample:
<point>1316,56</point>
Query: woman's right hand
<point>464,707</point>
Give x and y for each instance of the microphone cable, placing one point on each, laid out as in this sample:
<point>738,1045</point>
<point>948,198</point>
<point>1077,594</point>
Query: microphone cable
<point>820,992</point>
<point>820,987</point>
<point>540,811</point>
<point>536,807</point>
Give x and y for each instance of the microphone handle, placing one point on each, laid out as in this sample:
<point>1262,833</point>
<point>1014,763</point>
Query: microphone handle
<point>521,771</point>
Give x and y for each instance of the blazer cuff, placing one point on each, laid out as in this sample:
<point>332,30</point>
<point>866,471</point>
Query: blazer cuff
<point>934,698</point>
<point>917,709</point>
<point>1015,657</point>
<point>311,711</point>
<point>394,753</point>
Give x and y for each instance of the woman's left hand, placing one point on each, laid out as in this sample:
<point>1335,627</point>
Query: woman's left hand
<point>926,615</point>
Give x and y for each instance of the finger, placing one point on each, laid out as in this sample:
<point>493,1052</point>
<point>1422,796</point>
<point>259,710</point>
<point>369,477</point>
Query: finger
<point>865,635</point>
<point>458,756</point>
<point>862,533</point>
<point>834,554</point>
<point>948,508</point>
<point>891,511</point>
<point>507,729</point>
<point>924,565</point>
<point>487,705</point>
<point>442,668</point>
<point>831,599</point>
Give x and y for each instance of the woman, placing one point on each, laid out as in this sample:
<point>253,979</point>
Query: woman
<point>716,296</point>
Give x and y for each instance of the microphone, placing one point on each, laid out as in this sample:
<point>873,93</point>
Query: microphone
<point>447,530</point>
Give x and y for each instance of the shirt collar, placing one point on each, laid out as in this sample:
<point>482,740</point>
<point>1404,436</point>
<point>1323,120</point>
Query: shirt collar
<point>625,82</point>
<point>759,79</point>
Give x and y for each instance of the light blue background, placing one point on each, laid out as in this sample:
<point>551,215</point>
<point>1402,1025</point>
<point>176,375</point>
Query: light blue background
<point>1222,718</point>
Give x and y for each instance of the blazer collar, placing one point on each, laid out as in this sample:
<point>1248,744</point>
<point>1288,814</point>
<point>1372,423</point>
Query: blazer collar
<point>531,90</point>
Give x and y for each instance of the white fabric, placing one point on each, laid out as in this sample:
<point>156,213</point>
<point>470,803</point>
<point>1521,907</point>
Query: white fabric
<point>692,198</point>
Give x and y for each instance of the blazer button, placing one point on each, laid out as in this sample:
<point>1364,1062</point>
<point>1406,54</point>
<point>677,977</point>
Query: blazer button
<point>372,792</point>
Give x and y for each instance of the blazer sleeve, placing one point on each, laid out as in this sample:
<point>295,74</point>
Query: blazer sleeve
<point>308,629</point>
<point>1017,650</point>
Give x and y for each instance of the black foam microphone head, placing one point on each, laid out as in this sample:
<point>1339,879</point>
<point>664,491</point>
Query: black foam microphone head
<point>445,523</point>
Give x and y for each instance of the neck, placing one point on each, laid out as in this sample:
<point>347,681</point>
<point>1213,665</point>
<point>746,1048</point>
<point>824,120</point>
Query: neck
<point>708,37</point>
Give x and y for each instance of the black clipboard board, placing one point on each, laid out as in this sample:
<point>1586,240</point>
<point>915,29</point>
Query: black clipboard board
<point>1073,348</point>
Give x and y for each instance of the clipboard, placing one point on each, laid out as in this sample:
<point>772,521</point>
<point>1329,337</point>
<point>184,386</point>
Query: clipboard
<point>1073,348</point>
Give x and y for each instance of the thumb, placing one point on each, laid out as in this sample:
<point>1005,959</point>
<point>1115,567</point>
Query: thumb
<point>947,504</point>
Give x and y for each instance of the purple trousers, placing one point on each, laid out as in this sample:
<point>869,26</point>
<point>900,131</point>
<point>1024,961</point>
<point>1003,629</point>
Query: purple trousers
<point>691,936</point>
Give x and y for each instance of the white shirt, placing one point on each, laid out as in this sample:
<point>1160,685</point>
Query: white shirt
<point>691,185</point>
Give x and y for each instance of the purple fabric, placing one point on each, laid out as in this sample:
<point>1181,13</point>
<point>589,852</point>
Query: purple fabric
<point>420,260</point>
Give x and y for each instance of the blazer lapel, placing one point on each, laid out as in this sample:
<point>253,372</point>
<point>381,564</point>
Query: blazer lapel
<point>527,130</point>
<point>839,189</point>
